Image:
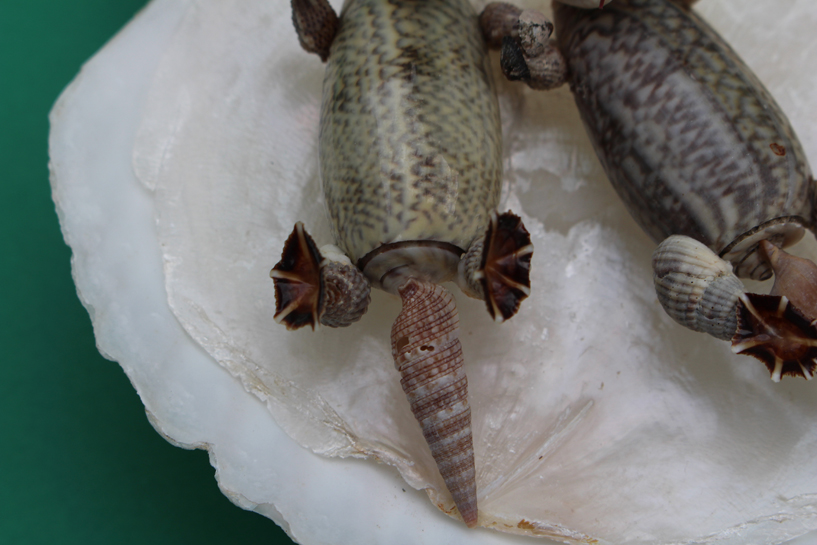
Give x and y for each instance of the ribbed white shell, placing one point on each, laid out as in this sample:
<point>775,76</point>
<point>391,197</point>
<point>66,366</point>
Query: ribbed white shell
<point>696,287</point>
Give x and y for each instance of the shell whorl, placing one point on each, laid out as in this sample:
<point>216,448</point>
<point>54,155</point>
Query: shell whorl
<point>428,354</point>
<point>469,271</point>
<point>346,294</point>
<point>345,290</point>
<point>696,287</point>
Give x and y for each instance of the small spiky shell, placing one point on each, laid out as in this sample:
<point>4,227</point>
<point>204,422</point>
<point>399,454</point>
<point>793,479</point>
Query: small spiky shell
<point>696,287</point>
<point>427,352</point>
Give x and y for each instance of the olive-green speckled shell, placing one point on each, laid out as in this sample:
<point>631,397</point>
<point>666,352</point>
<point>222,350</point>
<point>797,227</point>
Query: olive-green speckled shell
<point>689,137</point>
<point>410,141</point>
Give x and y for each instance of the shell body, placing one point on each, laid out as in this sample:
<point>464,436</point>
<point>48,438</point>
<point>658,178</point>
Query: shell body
<point>428,354</point>
<point>411,168</point>
<point>696,287</point>
<point>403,160</point>
<point>689,137</point>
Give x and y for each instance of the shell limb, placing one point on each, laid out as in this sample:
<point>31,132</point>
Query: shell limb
<point>529,55</point>
<point>346,294</point>
<point>497,20</point>
<point>774,331</point>
<point>696,287</point>
<point>316,24</point>
<point>298,281</point>
<point>469,270</point>
<point>794,277</point>
<point>310,287</point>
<point>496,267</point>
<point>428,354</point>
<point>779,328</point>
<point>743,253</point>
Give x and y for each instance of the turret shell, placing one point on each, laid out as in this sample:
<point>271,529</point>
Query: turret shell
<point>428,354</point>
<point>696,287</point>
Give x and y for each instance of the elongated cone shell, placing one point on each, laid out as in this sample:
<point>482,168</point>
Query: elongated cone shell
<point>696,287</point>
<point>428,354</point>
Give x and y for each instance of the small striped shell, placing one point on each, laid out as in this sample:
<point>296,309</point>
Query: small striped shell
<point>469,271</point>
<point>346,292</point>
<point>696,287</point>
<point>427,352</point>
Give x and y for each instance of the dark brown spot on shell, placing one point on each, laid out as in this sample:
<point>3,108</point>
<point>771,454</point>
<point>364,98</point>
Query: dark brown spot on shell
<point>401,343</point>
<point>777,149</point>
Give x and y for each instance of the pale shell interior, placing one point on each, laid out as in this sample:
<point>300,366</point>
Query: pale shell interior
<point>595,415</point>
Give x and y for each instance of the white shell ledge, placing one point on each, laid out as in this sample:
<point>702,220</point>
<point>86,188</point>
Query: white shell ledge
<point>107,218</point>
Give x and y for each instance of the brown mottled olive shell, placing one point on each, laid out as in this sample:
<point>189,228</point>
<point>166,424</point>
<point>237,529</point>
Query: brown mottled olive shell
<point>690,138</point>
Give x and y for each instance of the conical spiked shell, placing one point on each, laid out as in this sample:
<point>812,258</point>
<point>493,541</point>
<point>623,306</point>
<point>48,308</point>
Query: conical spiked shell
<point>696,287</point>
<point>428,354</point>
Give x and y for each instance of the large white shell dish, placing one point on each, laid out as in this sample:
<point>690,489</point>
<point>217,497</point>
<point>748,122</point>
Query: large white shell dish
<point>596,417</point>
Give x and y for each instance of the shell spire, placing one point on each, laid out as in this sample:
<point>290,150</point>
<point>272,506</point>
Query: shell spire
<point>428,354</point>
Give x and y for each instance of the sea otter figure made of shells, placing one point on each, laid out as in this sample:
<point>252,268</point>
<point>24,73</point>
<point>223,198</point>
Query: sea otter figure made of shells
<point>411,169</point>
<point>709,166</point>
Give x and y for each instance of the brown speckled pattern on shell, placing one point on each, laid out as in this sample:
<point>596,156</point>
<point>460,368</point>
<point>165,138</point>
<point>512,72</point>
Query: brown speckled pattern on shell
<point>410,140</point>
<point>688,135</point>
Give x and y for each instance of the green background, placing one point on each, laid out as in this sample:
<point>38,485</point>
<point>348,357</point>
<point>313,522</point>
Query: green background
<point>79,462</point>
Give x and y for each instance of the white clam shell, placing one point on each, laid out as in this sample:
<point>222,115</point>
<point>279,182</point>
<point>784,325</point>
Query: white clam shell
<point>696,287</point>
<point>594,414</point>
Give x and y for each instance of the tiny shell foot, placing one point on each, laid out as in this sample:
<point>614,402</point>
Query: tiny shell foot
<point>310,287</point>
<point>524,38</point>
<point>428,354</point>
<point>316,25</point>
<point>531,56</point>
<point>504,272</point>
<point>298,281</point>
<point>497,20</point>
<point>774,331</point>
<point>794,277</point>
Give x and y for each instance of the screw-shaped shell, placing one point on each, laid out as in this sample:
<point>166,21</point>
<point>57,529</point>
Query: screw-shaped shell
<point>696,287</point>
<point>428,354</point>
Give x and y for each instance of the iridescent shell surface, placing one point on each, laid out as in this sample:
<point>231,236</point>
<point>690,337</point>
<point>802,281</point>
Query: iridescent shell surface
<point>598,418</point>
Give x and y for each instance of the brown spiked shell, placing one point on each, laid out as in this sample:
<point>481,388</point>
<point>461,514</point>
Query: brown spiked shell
<point>428,354</point>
